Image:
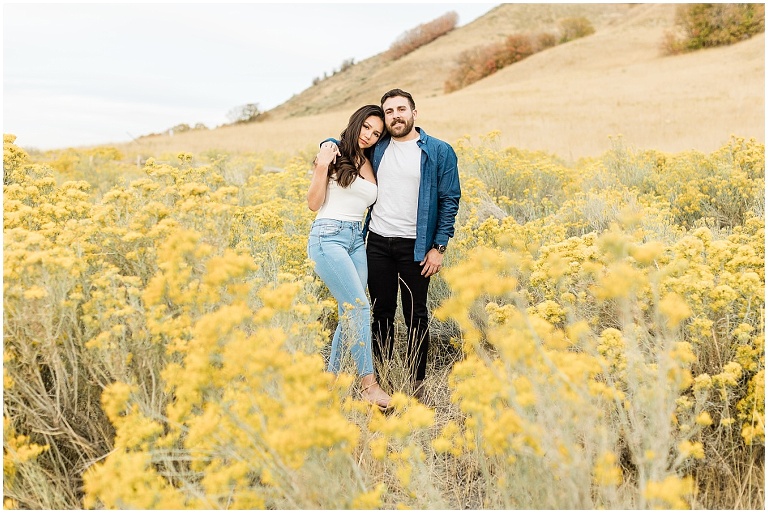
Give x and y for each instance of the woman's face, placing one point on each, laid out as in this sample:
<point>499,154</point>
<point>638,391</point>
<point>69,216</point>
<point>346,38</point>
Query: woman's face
<point>370,132</point>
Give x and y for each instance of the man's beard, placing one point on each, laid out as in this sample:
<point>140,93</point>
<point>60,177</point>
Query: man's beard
<point>402,129</point>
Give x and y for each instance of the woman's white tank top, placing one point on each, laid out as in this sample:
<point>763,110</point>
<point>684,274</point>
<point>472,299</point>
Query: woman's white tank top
<point>348,204</point>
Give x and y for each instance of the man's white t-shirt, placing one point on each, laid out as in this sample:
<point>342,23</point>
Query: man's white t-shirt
<point>399,177</point>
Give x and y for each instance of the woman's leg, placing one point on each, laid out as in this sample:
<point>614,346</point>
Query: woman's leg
<point>371,390</point>
<point>339,255</point>
<point>361,346</point>
<point>341,263</point>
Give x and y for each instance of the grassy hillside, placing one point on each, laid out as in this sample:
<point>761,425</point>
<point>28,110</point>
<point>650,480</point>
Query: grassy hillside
<point>569,100</point>
<point>424,71</point>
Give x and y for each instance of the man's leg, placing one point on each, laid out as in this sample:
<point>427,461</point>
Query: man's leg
<point>413,293</point>
<point>382,287</point>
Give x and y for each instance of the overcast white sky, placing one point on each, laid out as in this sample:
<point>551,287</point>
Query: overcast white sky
<point>90,73</point>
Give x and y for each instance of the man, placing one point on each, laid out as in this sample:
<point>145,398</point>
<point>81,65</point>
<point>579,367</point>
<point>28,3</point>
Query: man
<point>408,227</point>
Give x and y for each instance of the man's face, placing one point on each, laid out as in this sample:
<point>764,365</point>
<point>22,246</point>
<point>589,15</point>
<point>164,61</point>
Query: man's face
<point>398,116</point>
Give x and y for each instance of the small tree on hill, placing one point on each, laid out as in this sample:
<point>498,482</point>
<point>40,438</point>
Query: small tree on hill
<point>244,113</point>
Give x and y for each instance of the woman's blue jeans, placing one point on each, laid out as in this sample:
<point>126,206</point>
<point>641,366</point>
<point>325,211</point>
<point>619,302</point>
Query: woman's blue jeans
<point>338,251</point>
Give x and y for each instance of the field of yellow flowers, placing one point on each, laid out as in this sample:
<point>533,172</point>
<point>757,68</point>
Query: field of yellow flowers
<point>599,331</point>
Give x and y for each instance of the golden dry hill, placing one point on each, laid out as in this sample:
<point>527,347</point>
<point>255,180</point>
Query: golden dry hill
<point>571,100</point>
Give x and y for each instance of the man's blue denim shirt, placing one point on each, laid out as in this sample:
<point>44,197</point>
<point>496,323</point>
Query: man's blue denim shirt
<point>439,191</point>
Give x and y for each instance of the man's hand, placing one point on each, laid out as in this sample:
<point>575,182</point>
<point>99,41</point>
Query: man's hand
<point>432,263</point>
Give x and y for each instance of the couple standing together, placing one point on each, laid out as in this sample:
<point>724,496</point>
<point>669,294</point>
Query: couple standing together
<point>411,182</point>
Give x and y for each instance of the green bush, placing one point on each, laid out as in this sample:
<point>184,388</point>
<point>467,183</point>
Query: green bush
<point>574,28</point>
<point>710,25</point>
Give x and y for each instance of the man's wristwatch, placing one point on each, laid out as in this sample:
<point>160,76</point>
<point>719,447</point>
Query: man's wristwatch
<point>439,247</point>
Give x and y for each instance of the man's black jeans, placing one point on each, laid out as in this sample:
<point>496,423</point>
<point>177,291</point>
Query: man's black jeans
<point>391,268</point>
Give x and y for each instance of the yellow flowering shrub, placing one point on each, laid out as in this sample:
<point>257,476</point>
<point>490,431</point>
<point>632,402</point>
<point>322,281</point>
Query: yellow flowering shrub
<point>104,167</point>
<point>17,452</point>
<point>244,412</point>
<point>51,392</point>
<point>523,364</point>
<point>671,304</point>
<point>527,185</point>
<point>599,338</point>
<point>722,187</point>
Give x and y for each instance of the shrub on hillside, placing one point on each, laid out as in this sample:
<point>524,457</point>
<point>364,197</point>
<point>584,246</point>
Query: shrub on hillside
<point>709,25</point>
<point>479,62</point>
<point>345,65</point>
<point>422,35</point>
<point>574,28</point>
<point>482,61</point>
<point>472,65</point>
<point>544,40</point>
<point>516,48</point>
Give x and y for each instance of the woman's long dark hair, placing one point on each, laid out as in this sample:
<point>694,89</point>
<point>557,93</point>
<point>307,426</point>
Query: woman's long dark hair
<point>348,164</point>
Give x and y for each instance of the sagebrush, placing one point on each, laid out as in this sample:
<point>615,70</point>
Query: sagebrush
<point>709,25</point>
<point>599,339</point>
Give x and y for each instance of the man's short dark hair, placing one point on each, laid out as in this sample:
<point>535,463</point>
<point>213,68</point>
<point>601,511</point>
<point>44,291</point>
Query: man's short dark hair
<point>398,92</point>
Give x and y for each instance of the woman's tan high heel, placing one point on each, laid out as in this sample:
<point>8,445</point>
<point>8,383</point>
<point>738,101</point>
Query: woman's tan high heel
<point>374,394</point>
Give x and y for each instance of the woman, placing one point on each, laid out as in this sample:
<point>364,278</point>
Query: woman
<point>343,187</point>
